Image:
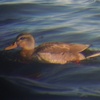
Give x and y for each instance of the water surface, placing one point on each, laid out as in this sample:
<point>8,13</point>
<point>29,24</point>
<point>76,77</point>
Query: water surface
<point>71,21</point>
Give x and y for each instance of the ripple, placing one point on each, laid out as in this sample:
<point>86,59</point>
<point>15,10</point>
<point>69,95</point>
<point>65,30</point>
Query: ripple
<point>56,2</point>
<point>43,88</point>
<point>75,1</point>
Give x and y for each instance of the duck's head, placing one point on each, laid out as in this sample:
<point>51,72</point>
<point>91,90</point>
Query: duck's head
<point>25,41</point>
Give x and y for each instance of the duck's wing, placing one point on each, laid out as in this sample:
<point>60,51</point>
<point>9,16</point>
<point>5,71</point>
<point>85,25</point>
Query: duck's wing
<point>53,47</point>
<point>78,47</point>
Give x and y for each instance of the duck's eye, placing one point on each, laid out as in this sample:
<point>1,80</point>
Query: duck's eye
<point>22,38</point>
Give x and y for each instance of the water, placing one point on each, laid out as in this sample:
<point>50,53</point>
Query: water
<point>72,21</point>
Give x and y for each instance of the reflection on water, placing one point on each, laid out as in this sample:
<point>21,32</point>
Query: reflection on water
<point>71,21</point>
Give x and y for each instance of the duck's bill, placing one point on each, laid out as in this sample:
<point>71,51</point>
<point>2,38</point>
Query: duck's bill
<point>13,46</point>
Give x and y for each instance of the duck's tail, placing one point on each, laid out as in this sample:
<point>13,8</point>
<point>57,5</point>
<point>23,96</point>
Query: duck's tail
<point>93,55</point>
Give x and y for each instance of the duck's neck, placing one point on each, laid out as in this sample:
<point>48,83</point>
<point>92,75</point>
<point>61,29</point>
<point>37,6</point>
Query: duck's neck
<point>27,53</point>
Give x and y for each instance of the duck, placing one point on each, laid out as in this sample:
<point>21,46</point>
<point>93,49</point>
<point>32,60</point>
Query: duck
<point>49,52</point>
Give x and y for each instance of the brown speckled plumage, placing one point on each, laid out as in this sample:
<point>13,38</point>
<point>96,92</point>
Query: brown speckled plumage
<point>53,52</point>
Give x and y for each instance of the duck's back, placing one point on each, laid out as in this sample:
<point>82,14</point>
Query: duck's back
<point>60,53</point>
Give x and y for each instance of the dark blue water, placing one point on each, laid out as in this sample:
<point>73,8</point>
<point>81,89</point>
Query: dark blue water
<point>72,21</point>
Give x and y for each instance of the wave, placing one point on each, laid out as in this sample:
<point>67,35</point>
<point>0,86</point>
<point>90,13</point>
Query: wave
<point>53,2</point>
<point>44,88</point>
<point>7,21</point>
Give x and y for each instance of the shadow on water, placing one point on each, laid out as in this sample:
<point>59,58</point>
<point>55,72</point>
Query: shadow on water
<point>12,91</point>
